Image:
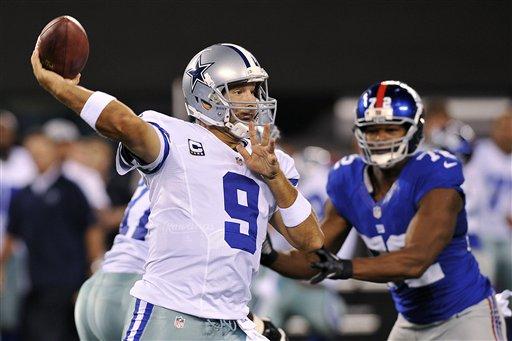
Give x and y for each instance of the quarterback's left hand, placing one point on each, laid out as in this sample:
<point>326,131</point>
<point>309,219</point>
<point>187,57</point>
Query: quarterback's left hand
<point>262,160</point>
<point>331,267</point>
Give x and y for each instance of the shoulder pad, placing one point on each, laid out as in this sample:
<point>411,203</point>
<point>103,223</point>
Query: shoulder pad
<point>436,159</point>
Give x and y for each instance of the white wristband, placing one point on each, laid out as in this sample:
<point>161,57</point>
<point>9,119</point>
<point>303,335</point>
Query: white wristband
<point>297,212</point>
<point>94,106</point>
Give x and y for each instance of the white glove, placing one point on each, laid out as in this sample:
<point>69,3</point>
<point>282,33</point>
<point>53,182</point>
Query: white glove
<point>502,300</point>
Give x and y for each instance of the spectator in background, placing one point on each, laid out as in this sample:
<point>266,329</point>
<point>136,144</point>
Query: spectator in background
<point>436,116</point>
<point>66,136</point>
<point>458,138</point>
<point>444,132</point>
<point>98,154</point>
<point>51,216</point>
<point>489,190</point>
<point>16,171</point>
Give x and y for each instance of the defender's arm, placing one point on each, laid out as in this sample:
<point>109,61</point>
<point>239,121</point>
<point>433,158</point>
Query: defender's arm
<point>296,264</point>
<point>428,233</point>
<point>116,121</point>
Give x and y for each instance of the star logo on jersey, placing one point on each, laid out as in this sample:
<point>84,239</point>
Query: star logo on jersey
<point>197,74</point>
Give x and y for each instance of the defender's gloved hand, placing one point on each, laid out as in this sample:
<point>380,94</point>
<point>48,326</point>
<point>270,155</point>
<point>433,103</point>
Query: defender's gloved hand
<point>266,328</point>
<point>273,333</point>
<point>331,267</point>
<point>268,254</point>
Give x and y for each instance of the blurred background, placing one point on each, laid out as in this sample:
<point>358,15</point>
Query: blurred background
<point>320,56</point>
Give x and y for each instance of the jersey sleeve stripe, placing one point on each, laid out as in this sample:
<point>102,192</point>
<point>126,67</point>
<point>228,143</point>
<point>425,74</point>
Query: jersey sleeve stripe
<point>158,163</point>
<point>294,182</point>
<point>126,160</point>
<point>125,164</point>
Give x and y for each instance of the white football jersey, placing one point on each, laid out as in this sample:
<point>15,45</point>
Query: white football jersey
<point>209,216</point>
<point>130,249</point>
<point>488,189</point>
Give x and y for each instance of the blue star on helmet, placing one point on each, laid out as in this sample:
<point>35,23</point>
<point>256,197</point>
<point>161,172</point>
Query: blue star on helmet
<point>197,73</point>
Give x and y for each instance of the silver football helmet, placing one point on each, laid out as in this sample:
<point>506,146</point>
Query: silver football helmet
<point>206,83</point>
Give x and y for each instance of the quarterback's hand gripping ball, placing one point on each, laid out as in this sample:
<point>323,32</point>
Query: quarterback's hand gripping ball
<point>63,47</point>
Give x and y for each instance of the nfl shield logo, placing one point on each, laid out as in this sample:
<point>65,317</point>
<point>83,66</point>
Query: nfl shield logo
<point>239,161</point>
<point>179,322</point>
<point>377,212</point>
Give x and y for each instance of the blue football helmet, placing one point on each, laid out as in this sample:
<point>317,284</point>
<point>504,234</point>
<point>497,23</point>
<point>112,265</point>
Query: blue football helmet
<point>389,102</point>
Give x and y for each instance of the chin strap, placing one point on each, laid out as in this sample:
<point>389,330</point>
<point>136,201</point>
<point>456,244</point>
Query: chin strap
<point>238,129</point>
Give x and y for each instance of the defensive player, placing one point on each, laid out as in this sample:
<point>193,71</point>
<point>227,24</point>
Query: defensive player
<point>212,193</point>
<point>408,207</point>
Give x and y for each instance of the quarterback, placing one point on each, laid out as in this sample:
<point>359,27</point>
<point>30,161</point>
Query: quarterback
<point>212,193</point>
<point>408,207</point>
<point>104,299</point>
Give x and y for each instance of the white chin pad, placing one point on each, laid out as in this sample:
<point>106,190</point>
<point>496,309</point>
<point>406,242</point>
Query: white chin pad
<point>382,160</point>
<point>239,130</point>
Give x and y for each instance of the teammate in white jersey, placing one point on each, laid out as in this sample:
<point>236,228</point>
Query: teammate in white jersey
<point>103,301</point>
<point>211,196</point>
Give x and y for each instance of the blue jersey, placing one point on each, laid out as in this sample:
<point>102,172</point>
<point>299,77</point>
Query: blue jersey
<point>453,282</point>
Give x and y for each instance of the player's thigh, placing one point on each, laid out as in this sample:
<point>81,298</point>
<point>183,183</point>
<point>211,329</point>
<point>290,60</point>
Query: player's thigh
<point>112,303</point>
<point>151,322</point>
<point>83,305</point>
<point>479,322</point>
<point>402,330</point>
<point>321,307</point>
<point>12,293</point>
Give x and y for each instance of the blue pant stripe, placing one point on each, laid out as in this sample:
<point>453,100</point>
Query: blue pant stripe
<point>145,319</point>
<point>137,303</point>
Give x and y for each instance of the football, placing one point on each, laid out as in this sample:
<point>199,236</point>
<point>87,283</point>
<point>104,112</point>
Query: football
<point>63,46</point>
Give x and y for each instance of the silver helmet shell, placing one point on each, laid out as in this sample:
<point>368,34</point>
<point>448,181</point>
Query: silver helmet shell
<point>206,83</point>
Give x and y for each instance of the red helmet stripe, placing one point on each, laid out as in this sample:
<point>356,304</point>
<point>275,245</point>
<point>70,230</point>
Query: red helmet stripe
<point>380,95</point>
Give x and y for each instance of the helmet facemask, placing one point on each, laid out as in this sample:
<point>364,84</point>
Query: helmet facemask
<point>385,154</point>
<point>263,109</point>
<point>389,103</point>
